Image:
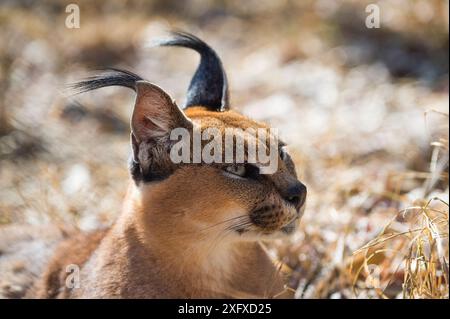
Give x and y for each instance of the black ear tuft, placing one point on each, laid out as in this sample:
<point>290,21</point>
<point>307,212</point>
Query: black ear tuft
<point>109,77</point>
<point>209,85</point>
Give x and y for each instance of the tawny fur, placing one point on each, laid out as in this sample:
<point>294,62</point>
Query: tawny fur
<point>168,241</point>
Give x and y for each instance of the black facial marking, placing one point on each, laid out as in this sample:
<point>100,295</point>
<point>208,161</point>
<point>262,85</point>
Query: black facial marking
<point>151,176</point>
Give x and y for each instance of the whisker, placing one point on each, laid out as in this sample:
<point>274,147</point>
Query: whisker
<point>224,222</point>
<point>239,226</point>
<point>203,232</point>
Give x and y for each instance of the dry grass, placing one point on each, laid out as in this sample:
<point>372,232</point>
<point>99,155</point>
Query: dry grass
<point>422,250</point>
<point>407,258</point>
<point>416,239</point>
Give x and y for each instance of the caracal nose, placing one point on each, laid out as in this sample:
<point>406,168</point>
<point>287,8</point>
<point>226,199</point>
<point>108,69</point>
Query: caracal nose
<point>295,194</point>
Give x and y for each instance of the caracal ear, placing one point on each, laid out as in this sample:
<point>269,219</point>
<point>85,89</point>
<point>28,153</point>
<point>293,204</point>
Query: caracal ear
<point>155,115</point>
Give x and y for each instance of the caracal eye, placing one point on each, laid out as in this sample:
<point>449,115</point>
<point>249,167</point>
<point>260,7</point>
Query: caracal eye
<point>238,170</point>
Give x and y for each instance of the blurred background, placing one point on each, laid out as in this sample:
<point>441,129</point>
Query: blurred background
<point>365,113</point>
